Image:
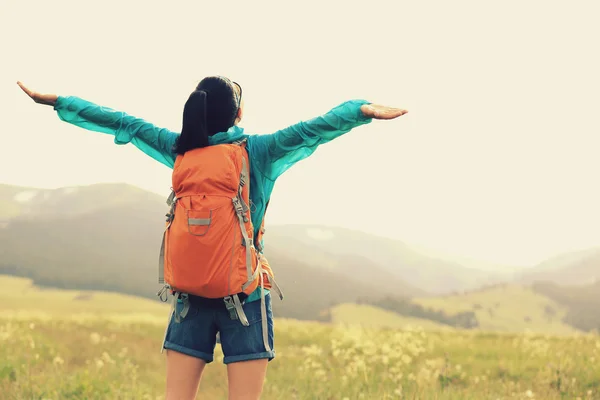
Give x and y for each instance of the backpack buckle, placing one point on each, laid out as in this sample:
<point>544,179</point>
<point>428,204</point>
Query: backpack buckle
<point>230,306</point>
<point>235,309</point>
<point>237,204</point>
<point>172,198</point>
<point>171,202</point>
<point>163,293</point>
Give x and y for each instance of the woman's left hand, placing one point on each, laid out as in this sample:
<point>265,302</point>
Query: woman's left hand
<point>47,99</point>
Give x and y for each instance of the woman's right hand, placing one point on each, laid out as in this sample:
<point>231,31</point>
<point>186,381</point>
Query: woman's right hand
<point>47,99</point>
<point>377,111</point>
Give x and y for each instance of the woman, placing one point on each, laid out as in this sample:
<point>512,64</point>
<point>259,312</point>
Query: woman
<point>218,104</point>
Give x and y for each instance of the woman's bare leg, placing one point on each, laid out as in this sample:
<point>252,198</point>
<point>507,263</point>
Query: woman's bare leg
<point>183,375</point>
<point>246,379</point>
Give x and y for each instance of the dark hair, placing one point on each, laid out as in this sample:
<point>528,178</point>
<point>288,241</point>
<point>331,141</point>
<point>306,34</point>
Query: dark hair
<point>210,109</point>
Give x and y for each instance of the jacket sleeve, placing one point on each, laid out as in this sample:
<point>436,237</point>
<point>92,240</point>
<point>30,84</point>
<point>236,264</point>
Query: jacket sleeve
<point>286,147</point>
<point>156,142</point>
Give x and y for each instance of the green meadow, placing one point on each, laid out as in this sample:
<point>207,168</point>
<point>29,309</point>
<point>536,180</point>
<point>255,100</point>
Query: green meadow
<point>57,344</point>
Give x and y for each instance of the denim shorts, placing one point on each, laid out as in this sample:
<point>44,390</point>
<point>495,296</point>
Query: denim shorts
<point>196,334</point>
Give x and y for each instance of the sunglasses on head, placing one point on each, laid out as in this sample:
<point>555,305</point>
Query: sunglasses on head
<point>240,94</point>
<point>239,97</point>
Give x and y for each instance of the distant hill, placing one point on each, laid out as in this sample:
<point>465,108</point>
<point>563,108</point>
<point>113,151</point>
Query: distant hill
<point>575,268</point>
<point>502,272</point>
<point>17,201</point>
<point>564,260</point>
<point>398,259</point>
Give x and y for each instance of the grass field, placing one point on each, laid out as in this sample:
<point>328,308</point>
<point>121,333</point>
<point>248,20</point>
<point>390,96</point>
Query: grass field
<point>107,347</point>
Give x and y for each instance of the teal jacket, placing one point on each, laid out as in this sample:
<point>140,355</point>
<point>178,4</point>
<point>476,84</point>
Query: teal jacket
<point>270,154</point>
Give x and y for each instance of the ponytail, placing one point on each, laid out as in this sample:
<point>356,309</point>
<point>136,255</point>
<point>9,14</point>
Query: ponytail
<point>194,132</point>
<point>203,117</point>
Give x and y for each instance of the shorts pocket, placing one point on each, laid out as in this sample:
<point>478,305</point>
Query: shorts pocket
<point>253,308</point>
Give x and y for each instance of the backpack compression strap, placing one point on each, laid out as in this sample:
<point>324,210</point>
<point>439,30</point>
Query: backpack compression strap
<point>171,202</point>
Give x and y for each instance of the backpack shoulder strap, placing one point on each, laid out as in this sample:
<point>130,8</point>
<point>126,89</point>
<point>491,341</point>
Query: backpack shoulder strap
<point>241,142</point>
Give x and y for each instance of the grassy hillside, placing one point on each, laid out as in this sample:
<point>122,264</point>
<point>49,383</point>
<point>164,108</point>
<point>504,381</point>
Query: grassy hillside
<point>374,317</point>
<point>582,303</point>
<point>506,308</point>
<point>55,353</point>
<point>573,281</point>
<point>24,300</point>
<point>408,308</point>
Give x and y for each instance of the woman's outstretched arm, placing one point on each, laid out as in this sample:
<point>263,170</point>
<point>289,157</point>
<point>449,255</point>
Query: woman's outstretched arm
<point>287,146</point>
<point>156,142</point>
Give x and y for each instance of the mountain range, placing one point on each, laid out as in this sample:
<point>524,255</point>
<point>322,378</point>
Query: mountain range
<point>107,237</point>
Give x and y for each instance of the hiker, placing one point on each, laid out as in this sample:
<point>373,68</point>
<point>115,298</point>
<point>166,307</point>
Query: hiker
<point>248,165</point>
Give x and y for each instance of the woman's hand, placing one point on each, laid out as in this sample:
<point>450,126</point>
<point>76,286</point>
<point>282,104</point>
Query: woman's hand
<point>377,111</point>
<point>47,99</point>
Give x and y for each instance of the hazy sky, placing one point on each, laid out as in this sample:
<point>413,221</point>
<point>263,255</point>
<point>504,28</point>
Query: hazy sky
<point>497,158</point>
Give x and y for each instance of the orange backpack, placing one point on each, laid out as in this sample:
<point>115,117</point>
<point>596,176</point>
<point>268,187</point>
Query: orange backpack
<point>208,248</point>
